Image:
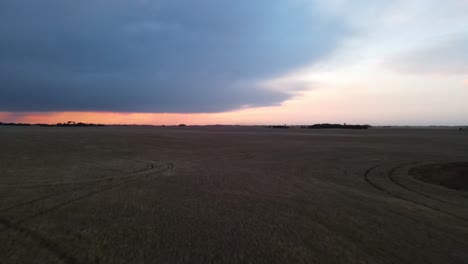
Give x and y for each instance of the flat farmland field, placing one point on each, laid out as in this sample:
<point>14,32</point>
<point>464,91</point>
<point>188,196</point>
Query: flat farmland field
<point>233,195</point>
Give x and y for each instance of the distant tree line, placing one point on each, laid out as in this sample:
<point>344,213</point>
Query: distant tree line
<point>345,126</point>
<point>278,126</point>
<point>14,124</point>
<point>325,125</point>
<point>68,124</point>
<point>75,124</point>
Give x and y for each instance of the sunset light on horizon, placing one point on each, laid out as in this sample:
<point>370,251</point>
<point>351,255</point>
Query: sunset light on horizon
<point>245,131</point>
<point>300,62</point>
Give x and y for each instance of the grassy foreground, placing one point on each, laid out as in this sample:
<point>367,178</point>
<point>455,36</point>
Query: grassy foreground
<point>228,195</point>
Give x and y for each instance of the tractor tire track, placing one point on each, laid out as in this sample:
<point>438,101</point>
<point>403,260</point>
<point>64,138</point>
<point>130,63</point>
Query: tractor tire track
<point>149,166</point>
<point>389,175</point>
<point>371,183</point>
<point>47,244</point>
<point>413,219</point>
<point>169,166</point>
<point>394,180</point>
<point>50,245</point>
<point>440,231</point>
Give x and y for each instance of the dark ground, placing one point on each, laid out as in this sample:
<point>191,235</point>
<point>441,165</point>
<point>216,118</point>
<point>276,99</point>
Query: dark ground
<point>229,195</point>
<point>453,175</point>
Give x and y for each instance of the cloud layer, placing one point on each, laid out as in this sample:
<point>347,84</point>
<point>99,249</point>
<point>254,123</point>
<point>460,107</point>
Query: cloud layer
<point>445,57</point>
<point>155,56</point>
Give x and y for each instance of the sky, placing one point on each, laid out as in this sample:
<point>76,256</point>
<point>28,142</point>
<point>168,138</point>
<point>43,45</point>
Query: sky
<point>234,62</point>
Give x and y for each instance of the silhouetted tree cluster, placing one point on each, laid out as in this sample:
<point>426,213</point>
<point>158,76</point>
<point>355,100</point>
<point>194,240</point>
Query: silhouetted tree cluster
<point>345,126</point>
<point>79,124</point>
<point>68,124</point>
<point>278,126</point>
<point>14,124</point>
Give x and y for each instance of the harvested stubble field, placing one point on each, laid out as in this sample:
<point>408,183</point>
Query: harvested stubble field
<point>231,195</point>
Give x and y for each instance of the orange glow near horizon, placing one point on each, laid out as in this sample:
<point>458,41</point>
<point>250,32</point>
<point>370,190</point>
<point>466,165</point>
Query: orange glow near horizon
<point>105,118</point>
<point>236,117</point>
<point>287,112</point>
<point>352,102</point>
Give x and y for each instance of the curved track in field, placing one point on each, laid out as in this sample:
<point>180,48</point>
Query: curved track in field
<point>395,180</point>
<point>152,168</point>
<point>148,166</point>
<point>83,185</point>
<point>391,179</point>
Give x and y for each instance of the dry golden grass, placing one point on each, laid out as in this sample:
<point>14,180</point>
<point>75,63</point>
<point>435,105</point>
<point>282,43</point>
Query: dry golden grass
<point>228,195</point>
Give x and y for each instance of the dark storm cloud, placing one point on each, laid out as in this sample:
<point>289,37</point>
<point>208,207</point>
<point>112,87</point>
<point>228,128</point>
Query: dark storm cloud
<point>154,56</point>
